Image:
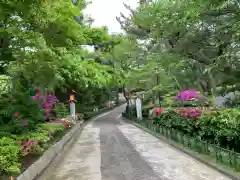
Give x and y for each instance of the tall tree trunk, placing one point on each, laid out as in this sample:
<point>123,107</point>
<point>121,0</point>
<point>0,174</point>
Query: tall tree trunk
<point>125,93</point>
<point>158,93</point>
<point>153,97</point>
<point>117,96</point>
<point>178,84</point>
<point>212,83</point>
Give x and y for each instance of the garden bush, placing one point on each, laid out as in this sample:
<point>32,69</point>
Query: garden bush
<point>168,101</point>
<point>9,156</point>
<point>19,113</point>
<point>220,127</point>
<point>24,132</point>
<point>15,147</point>
<point>173,119</point>
<point>60,110</point>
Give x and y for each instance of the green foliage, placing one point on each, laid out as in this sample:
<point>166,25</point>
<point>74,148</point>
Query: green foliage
<point>82,74</point>
<point>93,97</point>
<point>5,84</point>
<point>18,109</point>
<point>219,127</point>
<point>42,48</point>
<point>52,44</point>
<point>124,55</point>
<point>60,110</point>
<point>172,119</point>
<point>9,156</point>
<point>52,127</point>
<point>14,147</point>
<point>39,135</point>
<point>168,100</point>
<point>188,42</point>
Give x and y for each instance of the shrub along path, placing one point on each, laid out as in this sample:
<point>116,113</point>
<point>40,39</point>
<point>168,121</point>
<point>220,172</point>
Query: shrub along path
<point>111,149</point>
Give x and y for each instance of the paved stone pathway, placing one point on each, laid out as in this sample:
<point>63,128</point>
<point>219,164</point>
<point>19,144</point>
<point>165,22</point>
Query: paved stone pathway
<point>111,149</point>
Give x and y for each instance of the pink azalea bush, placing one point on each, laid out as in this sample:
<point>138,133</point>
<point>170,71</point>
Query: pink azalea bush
<point>27,112</point>
<point>189,112</point>
<point>187,95</point>
<point>158,111</point>
<point>47,104</point>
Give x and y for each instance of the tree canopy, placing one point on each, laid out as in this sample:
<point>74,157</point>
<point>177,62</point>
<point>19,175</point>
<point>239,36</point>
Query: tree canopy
<point>167,44</point>
<point>190,44</point>
<point>41,43</point>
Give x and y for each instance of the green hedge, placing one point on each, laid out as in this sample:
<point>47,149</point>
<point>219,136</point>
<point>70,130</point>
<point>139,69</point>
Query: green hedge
<point>15,150</point>
<point>220,127</point>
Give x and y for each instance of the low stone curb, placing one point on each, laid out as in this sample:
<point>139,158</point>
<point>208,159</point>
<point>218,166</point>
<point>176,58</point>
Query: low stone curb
<point>182,150</point>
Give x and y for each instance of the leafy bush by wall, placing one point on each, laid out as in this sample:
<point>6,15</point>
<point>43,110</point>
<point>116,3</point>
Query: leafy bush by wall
<point>60,110</point>
<point>9,155</point>
<point>19,113</point>
<point>221,127</point>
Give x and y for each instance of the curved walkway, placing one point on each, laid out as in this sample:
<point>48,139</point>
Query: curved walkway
<point>111,149</point>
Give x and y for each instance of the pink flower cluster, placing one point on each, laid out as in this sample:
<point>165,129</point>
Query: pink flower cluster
<point>187,95</point>
<point>158,111</point>
<point>47,103</point>
<point>189,112</point>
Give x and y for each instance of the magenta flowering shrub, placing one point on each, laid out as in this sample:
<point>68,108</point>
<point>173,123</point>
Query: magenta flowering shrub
<point>47,103</point>
<point>187,95</point>
<point>19,113</point>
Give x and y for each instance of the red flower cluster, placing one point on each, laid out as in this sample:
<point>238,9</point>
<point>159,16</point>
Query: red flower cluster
<point>18,117</point>
<point>27,147</point>
<point>158,111</point>
<point>189,112</point>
